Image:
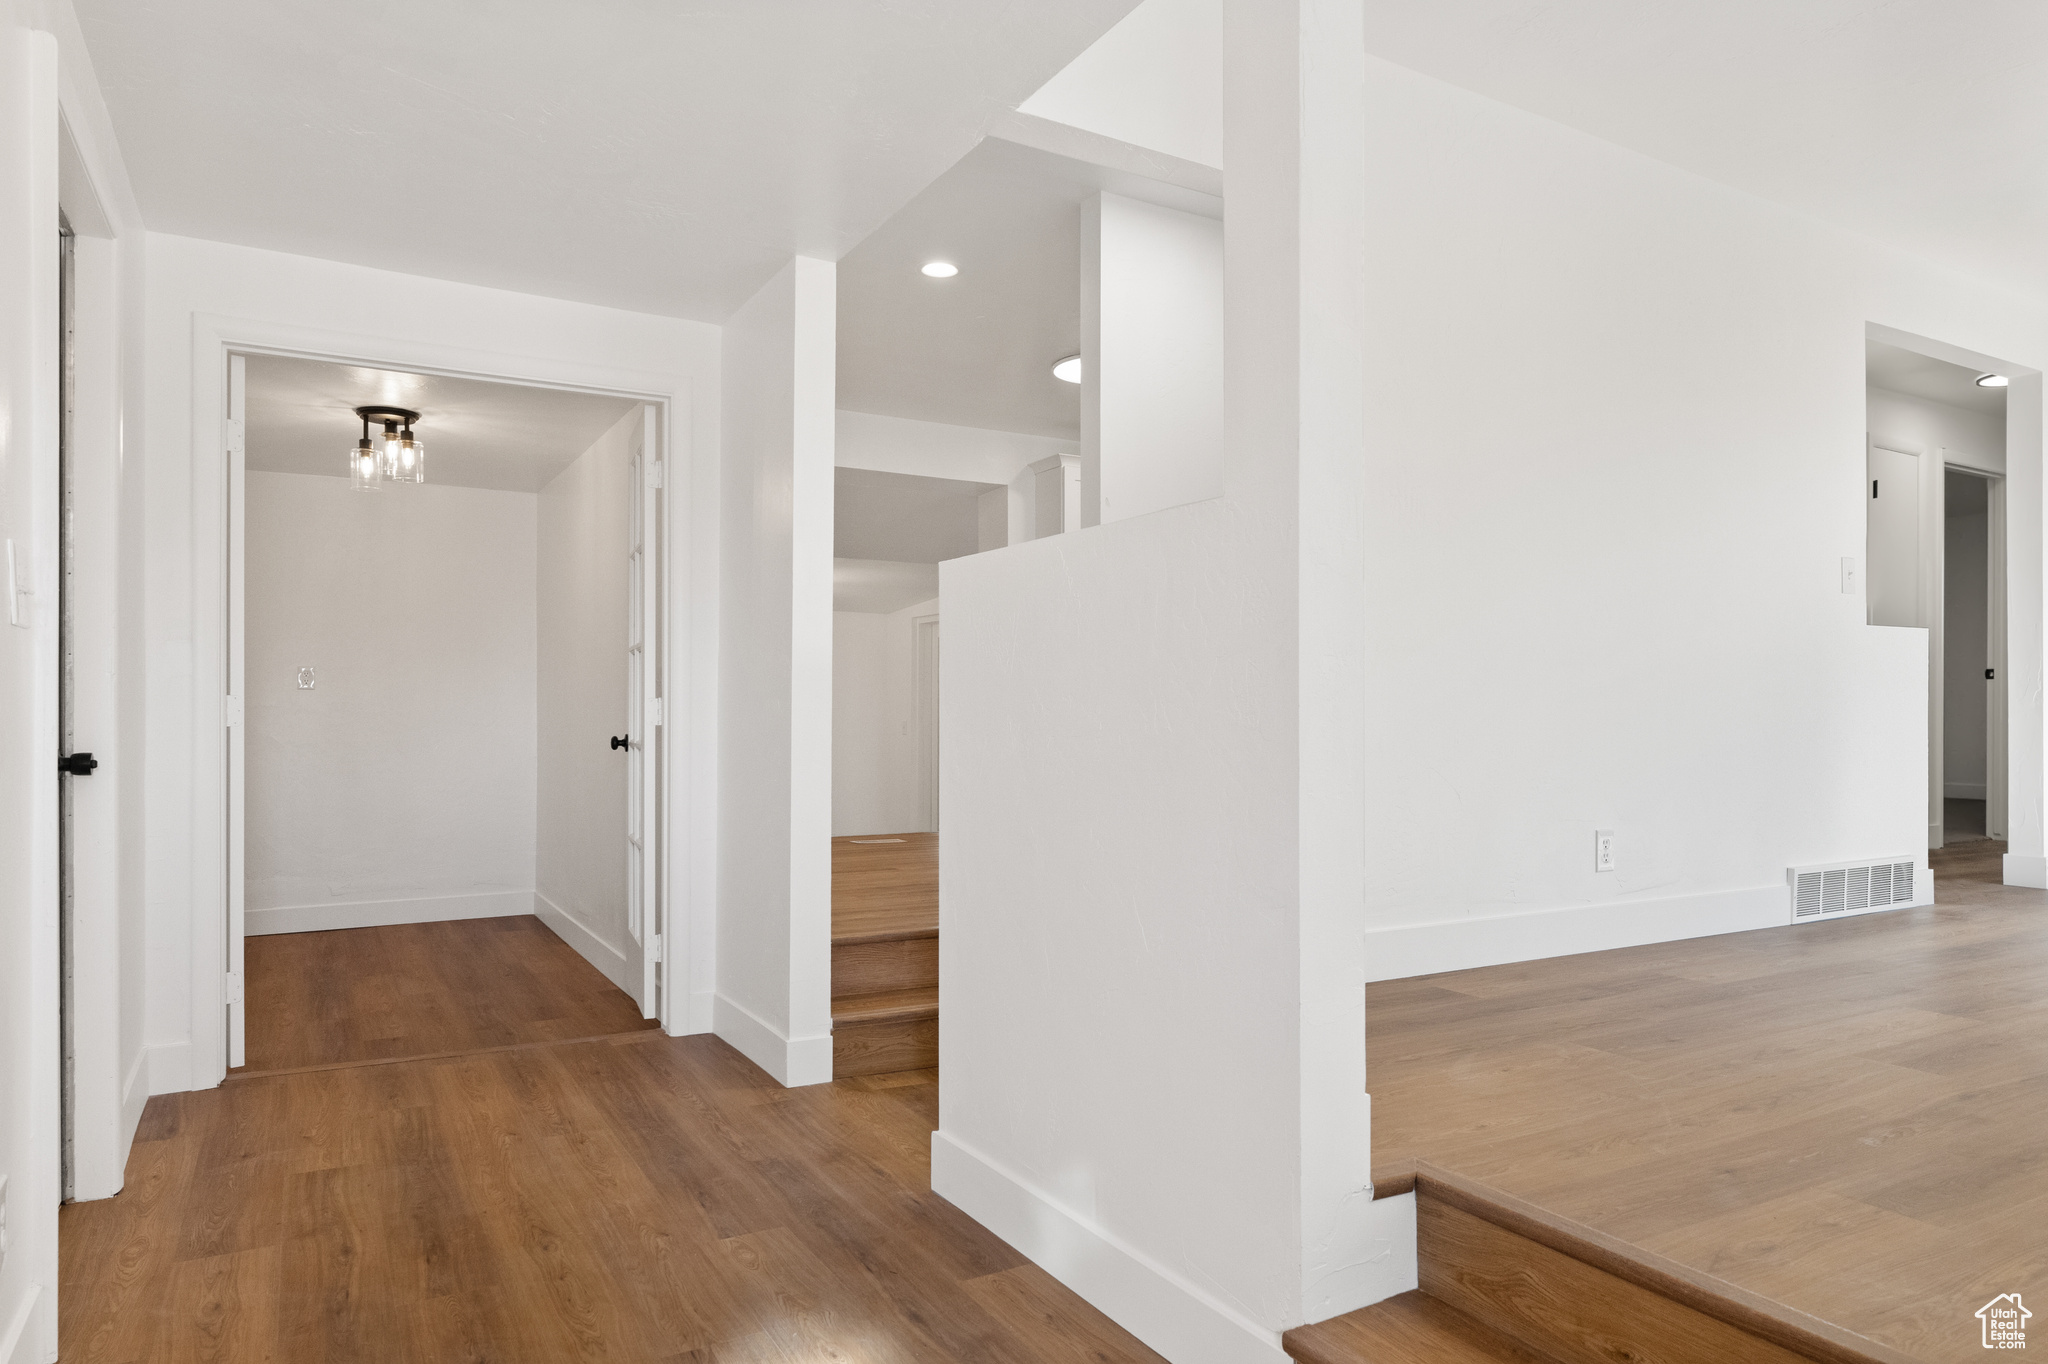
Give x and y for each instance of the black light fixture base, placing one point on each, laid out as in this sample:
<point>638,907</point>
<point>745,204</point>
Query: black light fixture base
<point>399,416</point>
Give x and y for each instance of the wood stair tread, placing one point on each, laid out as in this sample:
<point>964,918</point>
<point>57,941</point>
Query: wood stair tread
<point>1412,1328</point>
<point>887,1006</point>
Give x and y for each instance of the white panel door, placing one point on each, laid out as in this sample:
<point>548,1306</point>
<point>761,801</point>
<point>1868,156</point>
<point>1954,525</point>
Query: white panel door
<point>1892,538</point>
<point>233,844</point>
<point>643,711</point>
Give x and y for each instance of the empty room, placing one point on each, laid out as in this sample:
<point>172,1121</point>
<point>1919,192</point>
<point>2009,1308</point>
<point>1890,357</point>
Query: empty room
<point>1221,681</point>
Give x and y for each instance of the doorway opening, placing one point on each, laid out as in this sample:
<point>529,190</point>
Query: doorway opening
<point>444,754</point>
<point>1935,490</point>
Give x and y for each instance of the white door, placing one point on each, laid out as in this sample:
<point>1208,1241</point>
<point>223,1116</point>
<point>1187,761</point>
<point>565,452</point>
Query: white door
<point>643,714</point>
<point>232,844</point>
<point>1892,538</point>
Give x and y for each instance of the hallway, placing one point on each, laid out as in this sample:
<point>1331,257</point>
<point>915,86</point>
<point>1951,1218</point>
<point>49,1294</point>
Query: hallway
<point>633,1197</point>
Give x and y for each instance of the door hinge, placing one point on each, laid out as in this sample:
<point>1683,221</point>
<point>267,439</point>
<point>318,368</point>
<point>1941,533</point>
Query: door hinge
<point>656,474</point>
<point>654,946</point>
<point>233,713</point>
<point>235,436</point>
<point>234,979</point>
<point>661,710</point>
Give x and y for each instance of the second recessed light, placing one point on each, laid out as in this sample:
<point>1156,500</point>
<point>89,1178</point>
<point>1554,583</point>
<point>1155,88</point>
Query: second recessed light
<point>1993,381</point>
<point>941,269</point>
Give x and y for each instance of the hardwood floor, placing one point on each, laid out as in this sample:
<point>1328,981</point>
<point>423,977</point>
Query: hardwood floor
<point>630,1198</point>
<point>1844,1117</point>
<point>367,994</point>
<point>885,953</point>
<point>640,1198</point>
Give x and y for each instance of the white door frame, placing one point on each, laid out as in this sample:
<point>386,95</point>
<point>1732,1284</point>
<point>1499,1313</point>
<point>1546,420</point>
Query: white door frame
<point>924,682</point>
<point>216,471</point>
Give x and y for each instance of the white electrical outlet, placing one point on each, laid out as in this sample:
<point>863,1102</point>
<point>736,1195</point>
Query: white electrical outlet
<point>1603,850</point>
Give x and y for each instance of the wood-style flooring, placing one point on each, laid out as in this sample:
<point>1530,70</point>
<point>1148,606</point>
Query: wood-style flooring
<point>632,1198</point>
<point>372,994</point>
<point>1850,1118</point>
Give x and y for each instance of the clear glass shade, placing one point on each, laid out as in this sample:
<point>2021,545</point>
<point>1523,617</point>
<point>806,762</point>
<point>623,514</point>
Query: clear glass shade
<point>365,469</point>
<point>408,462</point>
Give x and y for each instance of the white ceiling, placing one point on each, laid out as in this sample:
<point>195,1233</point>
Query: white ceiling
<point>477,434</point>
<point>978,349</point>
<point>1904,371</point>
<point>904,518</point>
<point>663,157</point>
<point>1917,121</point>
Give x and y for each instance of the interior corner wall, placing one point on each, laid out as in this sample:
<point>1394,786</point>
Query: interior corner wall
<point>874,722</point>
<point>1152,1069</point>
<point>399,787</point>
<point>1646,514</point>
<point>1155,80</point>
<point>580,841</point>
<point>197,290</point>
<point>775,759</point>
<point>1152,345</point>
<point>1921,426</point>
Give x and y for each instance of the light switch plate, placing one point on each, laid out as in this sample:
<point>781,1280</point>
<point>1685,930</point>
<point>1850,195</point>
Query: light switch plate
<point>1852,580</point>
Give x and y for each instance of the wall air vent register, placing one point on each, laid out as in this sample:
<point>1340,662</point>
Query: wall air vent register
<point>1842,888</point>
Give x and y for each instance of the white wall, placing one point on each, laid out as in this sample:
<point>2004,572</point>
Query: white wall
<point>202,293</point>
<point>875,788</point>
<point>1152,1065</point>
<point>1921,426</point>
<point>28,695</point>
<point>400,787</point>
<point>775,882</point>
<point>580,867</point>
<point>1154,81</point>
<point>1964,654</point>
<point>1152,345</point>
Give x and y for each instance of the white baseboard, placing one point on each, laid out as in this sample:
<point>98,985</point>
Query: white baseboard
<point>379,913</point>
<point>1173,1316</point>
<point>792,1061</point>
<point>169,1067</point>
<point>1461,944</point>
<point>18,1344</point>
<point>2025,869</point>
<point>1963,790</point>
<point>593,949</point>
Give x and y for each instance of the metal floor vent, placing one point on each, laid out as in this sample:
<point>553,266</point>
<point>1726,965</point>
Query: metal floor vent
<point>1850,887</point>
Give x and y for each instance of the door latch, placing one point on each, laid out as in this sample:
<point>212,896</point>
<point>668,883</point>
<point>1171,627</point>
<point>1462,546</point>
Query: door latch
<point>77,765</point>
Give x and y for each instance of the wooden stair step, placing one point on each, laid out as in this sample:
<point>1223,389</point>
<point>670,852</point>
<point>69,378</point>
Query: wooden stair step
<point>1413,1328</point>
<point>887,1006</point>
<point>1500,1269</point>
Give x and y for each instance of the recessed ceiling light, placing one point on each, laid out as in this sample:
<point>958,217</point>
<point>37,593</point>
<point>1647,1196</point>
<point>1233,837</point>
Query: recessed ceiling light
<point>941,269</point>
<point>1068,369</point>
<point>1992,381</point>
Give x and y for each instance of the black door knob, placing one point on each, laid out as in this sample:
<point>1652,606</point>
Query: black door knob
<point>619,740</point>
<point>78,764</point>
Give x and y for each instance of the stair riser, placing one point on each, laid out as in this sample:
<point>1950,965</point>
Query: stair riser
<point>872,967</point>
<point>1562,1307</point>
<point>879,1048</point>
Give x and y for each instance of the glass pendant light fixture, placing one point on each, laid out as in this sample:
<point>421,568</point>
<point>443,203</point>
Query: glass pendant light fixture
<point>394,457</point>
<point>365,468</point>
